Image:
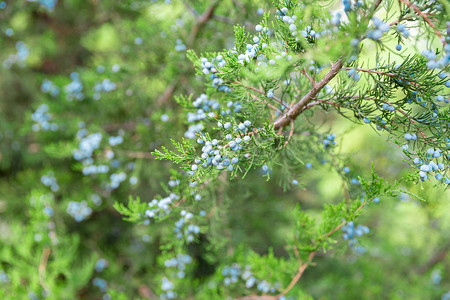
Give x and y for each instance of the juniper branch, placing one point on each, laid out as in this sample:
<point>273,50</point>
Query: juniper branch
<point>425,18</point>
<point>297,109</point>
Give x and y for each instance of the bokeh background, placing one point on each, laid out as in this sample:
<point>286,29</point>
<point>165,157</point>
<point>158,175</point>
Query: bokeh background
<point>72,68</point>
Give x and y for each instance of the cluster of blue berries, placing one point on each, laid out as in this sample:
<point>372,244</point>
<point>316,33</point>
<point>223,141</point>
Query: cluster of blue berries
<point>96,199</point>
<point>74,90</point>
<point>213,153</point>
<point>180,46</point>
<point>234,273</point>
<point>350,233</point>
<point>100,265</point>
<point>100,283</point>
<point>9,31</point>
<point>115,140</point>
<point>204,108</point>
<point>4,278</point>
<point>388,107</point>
<point>403,30</point>
<point>18,58</point>
<point>336,19</point>
<point>353,74</point>
<point>282,14</point>
<point>162,207</point>
<point>409,137</point>
<point>350,5</point>
<point>355,181</point>
<point>50,181</point>
<point>48,87</point>
<point>179,262</point>
<point>190,231</point>
<point>42,119</point>
<point>47,4</point>
<point>167,286</point>
<point>104,86</point>
<point>434,62</point>
<point>209,67</point>
<point>79,210</point>
<point>116,180</point>
<point>329,140</point>
<point>380,28</point>
<point>88,144</point>
<point>432,165</point>
<point>308,32</point>
<point>193,130</point>
<point>95,169</point>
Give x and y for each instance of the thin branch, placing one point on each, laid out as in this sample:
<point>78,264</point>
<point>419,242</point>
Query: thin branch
<point>168,92</point>
<point>291,133</point>
<point>262,93</point>
<point>425,18</point>
<point>296,110</point>
<point>299,274</point>
<point>313,82</point>
<point>383,73</point>
<point>321,101</point>
<point>201,21</point>
<point>190,8</point>
<point>436,258</point>
<point>42,267</point>
<point>302,267</point>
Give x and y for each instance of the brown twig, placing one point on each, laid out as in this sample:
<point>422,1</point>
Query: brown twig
<point>313,82</point>
<point>291,133</point>
<point>42,267</point>
<point>295,110</point>
<point>299,274</point>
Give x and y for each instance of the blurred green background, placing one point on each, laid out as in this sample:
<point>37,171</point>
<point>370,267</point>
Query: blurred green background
<point>139,46</point>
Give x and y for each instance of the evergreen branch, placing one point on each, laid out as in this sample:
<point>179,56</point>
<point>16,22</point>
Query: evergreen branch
<point>297,109</point>
<point>425,18</point>
<point>302,267</point>
<point>382,73</point>
<point>311,256</point>
<point>301,270</point>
